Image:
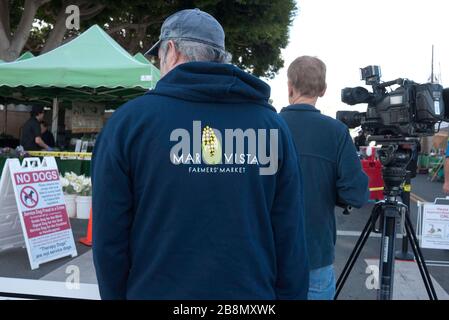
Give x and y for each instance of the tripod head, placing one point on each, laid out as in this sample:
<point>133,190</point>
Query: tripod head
<point>394,155</point>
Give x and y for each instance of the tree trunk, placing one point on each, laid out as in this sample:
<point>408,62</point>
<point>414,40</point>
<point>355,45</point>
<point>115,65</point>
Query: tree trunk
<point>23,30</point>
<point>14,47</point>
<point>4,17</point>
<point>58,32</point>
<point>4,44</point>
<point>5,29</point>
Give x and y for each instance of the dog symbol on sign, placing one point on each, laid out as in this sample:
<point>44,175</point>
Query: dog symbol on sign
<point>29,197</point>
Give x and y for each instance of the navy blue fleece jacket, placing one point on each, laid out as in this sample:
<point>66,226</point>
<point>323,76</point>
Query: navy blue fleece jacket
<point>331,173</point>
<point>169,223</point>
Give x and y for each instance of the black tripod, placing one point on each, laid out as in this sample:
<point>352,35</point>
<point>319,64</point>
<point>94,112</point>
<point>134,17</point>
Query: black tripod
<point>394,155</point>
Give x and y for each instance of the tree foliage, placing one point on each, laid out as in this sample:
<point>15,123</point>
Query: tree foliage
<point>256,30</point>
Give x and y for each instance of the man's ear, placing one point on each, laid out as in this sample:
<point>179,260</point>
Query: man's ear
<point>324,91</point>
<point>174,57</point>
<point>170,55</point>
<point>291,93</point>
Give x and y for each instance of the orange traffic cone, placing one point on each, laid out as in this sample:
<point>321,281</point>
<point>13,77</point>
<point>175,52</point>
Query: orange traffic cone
<point>88,239</point>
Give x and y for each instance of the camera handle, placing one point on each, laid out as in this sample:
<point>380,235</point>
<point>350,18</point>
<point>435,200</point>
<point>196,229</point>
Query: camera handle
<point>398,81</point>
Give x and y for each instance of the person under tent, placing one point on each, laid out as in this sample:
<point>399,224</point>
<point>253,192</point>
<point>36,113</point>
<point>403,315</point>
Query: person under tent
<point>31,137</point>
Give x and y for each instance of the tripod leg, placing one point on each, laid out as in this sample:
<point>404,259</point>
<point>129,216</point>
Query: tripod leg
<point>387,254</point>
<point>356,251</point>
<point>404,254</point>
<point>425,275</point>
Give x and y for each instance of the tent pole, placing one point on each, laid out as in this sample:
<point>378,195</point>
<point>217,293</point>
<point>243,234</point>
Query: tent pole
<point>3,104</point>
<point>6,120</point>
<point>54,124</point>
<point>5,117</point>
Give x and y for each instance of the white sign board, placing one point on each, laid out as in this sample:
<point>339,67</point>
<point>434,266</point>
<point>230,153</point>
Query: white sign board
<point>40,206</point>
<point>86,117</point>
<point>435,226</point>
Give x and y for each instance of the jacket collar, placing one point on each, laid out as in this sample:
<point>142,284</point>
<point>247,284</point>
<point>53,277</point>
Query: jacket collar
<point>300,107</point>
<point>213,82</point>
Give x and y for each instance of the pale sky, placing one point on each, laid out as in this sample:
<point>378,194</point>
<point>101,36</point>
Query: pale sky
<point>350,34</point>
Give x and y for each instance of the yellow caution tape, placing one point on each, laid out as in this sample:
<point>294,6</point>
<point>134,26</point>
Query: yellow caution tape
<point>406,187</point>
<point>58,154</point>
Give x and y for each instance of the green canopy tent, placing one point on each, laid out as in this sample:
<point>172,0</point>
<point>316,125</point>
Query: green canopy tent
<point>140,57</point>
<point>25,56</point>
<point>92,67</point>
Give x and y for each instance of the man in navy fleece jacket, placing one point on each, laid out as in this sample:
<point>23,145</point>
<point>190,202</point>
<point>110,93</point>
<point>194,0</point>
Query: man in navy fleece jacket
<point>196,189</point>
<point>331,169</point>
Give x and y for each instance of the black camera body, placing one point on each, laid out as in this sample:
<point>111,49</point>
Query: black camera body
<point>411,110</point>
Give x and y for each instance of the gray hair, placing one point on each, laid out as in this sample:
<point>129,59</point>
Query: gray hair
<point>196,51</point>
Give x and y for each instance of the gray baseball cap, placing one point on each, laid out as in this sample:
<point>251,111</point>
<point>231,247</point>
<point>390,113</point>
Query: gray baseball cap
<point>191,24</point>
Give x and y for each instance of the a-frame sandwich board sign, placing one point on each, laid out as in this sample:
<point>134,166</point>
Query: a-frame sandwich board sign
<point>33,211</point>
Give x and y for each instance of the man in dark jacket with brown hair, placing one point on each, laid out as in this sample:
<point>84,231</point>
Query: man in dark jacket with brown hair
<point>330,168</point>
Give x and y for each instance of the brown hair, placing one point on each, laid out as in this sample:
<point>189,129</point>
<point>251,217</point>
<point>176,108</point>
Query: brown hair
<point>308,76</point>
